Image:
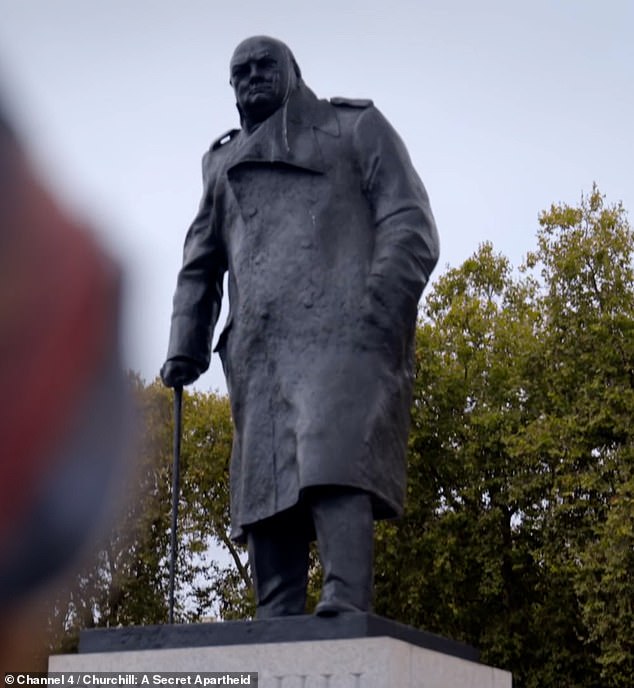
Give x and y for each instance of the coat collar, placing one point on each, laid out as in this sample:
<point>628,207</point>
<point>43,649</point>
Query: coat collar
<point>288,136</point>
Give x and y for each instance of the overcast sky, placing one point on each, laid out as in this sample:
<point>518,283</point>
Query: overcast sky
<point>506,106</point>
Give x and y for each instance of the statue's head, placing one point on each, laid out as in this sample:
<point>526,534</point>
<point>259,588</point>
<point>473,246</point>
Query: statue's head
<point>263,72</point>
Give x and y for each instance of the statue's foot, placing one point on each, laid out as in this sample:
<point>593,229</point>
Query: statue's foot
<point>333,607</point>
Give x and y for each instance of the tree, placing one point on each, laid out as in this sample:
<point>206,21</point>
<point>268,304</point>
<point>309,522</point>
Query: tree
<point>207,440</point>
<point>124,579</point>
<point>521,456</point>
<point>585,255</point>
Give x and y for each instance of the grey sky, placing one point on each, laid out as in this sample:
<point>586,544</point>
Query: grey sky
<point>505,106</point>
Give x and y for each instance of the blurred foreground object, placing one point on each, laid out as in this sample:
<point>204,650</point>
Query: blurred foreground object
<point>62,412</point>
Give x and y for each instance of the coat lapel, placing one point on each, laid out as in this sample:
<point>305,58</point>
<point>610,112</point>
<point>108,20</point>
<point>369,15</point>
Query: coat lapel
<point>288,137</point>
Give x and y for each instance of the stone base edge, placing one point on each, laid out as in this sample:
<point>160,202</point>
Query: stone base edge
<point>348,663</point>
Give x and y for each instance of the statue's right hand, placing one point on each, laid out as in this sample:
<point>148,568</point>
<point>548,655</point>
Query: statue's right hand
<point>178,372</point>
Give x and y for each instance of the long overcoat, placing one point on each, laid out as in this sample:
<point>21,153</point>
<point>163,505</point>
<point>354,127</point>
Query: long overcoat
<point>327,235</point>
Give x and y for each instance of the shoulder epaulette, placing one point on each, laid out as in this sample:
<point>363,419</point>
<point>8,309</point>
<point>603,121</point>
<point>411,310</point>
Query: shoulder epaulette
<point>225,138</point>
<point>352,102</point>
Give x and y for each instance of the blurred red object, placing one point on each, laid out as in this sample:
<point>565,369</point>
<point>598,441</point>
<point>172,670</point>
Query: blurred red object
<point>62,388</point>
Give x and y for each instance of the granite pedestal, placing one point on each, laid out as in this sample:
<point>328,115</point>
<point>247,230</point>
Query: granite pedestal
<point>349,651</point>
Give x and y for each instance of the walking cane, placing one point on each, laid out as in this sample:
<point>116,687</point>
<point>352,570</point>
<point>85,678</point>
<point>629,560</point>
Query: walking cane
<point>178,405</point>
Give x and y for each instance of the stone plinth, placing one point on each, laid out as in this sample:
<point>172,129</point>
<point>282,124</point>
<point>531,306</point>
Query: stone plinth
<point>350,651</point>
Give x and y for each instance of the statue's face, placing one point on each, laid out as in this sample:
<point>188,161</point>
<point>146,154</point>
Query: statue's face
<point>260,77</point>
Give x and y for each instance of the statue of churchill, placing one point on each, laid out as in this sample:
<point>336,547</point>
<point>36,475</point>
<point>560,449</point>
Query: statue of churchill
<point>315,212</point>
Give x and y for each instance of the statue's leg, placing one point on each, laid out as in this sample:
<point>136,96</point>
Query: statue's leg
<point>278,555</point>
<point>344,526</point>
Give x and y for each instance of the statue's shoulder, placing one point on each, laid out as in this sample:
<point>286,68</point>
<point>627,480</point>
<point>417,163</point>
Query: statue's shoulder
<point>223,140</point>
<point>212,158</point>
<point>351,102</point>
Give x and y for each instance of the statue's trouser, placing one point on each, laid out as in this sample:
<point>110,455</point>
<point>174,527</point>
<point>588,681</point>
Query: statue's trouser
<point>342,520</point>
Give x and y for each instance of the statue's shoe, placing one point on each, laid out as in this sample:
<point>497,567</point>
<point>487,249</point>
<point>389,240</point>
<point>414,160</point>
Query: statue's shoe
<point>333,606</point>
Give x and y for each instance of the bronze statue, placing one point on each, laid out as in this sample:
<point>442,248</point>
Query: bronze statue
<point>316,213</point>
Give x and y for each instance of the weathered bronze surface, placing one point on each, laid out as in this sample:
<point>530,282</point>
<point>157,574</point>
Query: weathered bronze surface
<point>325,229</point>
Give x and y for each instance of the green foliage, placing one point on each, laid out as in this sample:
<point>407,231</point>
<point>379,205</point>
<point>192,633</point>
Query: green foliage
<point>518,533</point>
<point>125,579</point>
<point>218,589</point>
